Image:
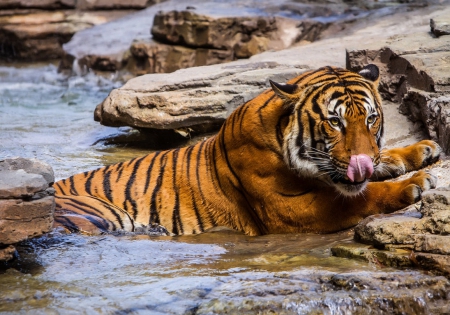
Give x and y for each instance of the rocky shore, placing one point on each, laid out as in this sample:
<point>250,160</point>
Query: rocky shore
<point>201,73</point>
<point>26,202</point>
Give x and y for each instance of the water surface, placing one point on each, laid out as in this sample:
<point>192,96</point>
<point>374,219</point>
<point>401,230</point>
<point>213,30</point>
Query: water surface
<point>48,116</point>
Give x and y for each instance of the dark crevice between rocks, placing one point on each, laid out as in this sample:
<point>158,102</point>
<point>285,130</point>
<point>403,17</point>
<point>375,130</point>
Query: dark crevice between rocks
<point>160,139</point>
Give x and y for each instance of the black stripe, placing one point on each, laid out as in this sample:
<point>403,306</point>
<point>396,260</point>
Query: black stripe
<point>199,185</point>
<point>130,182</point>
<point>73,190</point>
<point>242,115</point>
<point>63,220</point>
<point>82,207</point>
<point>295,195</point>
<point>87,185</point>
<point>107,184</point>
<point>150,168</point>
<point>177,225</point>
<point>154,215</point>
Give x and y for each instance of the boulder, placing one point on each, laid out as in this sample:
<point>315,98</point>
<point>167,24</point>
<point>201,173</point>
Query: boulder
<point>26,202</point>
<point>39,35</point>
<point>191,98</point>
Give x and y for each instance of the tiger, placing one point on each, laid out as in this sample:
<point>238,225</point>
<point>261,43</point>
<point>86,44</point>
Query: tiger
<point>306,156</point>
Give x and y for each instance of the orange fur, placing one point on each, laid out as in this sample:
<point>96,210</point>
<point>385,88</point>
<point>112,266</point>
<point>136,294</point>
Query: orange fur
<point>278,165</point>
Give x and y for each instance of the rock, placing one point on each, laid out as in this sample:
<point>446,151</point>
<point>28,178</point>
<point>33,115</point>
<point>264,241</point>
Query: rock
<point>386,229</point>
<point>441,25</point>
<point>244,35</point>
<point>30,166</point>
<point>41,4</point>
<point>7,253</point>
<point>20,219</point>
<point>177,24</point>
<point>26,202</point>
<point>404,240</point>
<point>152,57</point>
<point>189,97</point>
<point>20,184</point>
<point>39,35</point>
<point>234,33</point>
<point>114,4</point>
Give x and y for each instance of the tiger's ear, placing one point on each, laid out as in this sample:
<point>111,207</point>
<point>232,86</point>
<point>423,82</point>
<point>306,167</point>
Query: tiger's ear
<point>371,72</point>
<point>283,90</point>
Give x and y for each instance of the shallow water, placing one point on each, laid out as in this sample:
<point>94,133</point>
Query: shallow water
<point>48,116</point>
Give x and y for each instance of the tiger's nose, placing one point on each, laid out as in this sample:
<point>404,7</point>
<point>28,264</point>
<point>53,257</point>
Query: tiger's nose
<point>359,168</point>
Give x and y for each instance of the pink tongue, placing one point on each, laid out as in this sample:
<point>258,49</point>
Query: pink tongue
<point>359,168</point>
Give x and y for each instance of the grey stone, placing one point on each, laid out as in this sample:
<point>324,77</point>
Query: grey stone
<point>195,97</point>
<point>440,25</point>
<point>26,201</point>
<point>31,166</point>
<point>19,184</point>
<point>386,229</point>
<point>437,244</point>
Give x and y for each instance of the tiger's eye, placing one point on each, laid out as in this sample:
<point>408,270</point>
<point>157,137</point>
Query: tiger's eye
<point>335,121</point>
<point>371,119</point>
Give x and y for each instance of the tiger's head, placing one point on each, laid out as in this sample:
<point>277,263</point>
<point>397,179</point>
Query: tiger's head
<point>335,128</point>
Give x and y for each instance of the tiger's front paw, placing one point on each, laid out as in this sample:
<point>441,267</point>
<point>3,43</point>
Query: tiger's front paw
<point>427,152</point>
<point>417,184</point>
<point>398,161</point>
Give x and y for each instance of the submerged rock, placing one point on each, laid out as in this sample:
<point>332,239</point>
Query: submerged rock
<point>26,202</point>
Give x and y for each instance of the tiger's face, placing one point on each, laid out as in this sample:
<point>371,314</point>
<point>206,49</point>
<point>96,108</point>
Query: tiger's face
<point>335,131</point>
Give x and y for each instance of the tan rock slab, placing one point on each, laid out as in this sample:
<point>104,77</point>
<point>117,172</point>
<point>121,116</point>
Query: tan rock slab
<point>20,219</point>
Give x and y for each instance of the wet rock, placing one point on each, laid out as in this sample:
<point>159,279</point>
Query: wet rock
<point>401,240</point>
<point>26,202</point>
<point>30,35</point>
<point>353,293</point>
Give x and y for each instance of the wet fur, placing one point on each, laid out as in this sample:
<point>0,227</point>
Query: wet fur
<point>276,166</point>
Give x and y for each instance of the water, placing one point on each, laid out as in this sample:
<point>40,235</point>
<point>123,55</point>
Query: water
<point>48,116</point>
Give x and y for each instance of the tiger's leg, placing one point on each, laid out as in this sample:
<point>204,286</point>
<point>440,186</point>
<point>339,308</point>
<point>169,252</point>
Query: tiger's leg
<point>90,215</point>
<point>398,161</point>
<point>378,197</point>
